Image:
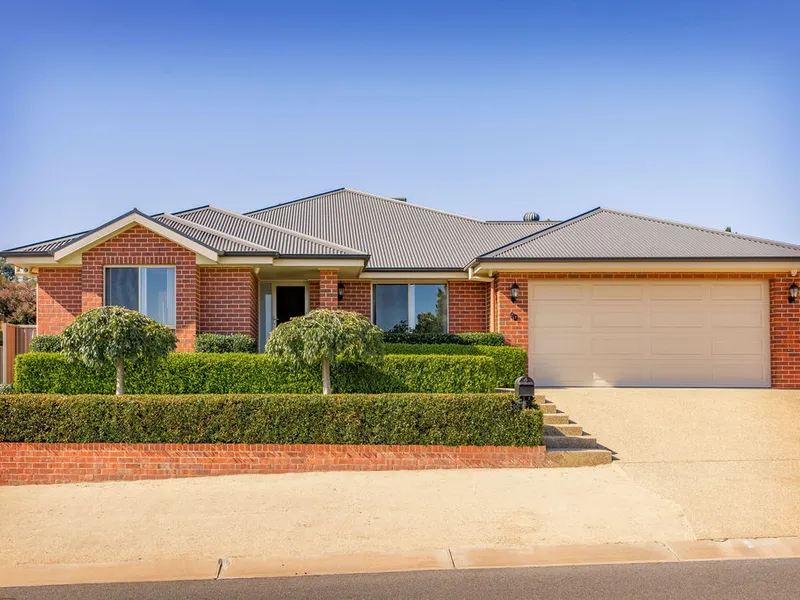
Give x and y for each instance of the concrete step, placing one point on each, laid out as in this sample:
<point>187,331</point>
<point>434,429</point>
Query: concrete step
<point>575,457</point>
<point>556,419</point>
<point>570,441</point>
<point>547,408</point>
<point>561,429</point>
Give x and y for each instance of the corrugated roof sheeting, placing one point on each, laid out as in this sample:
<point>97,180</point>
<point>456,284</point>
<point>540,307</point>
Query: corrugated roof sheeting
<point>396,234</point>
<point>48,246</point>
<point>285,243</point>
<point>605,233</point>
<point>215,242</point>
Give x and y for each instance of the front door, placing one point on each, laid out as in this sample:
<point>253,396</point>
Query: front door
<point>290,302</point>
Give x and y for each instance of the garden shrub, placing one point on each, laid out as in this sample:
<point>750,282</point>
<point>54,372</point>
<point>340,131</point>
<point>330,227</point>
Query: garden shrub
<point>510,362</point>
<point>46,343</point>
<point>6,388</point>
<point>220,343</point>
<point>201,373</point>
<point>395,419</point>
<point>464,339</point>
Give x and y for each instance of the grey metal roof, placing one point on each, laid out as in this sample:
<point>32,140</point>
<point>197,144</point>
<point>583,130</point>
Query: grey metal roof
<point>282,241</point>
<point>396,234</point>
<point>46,247</point>
<point>609,234</point>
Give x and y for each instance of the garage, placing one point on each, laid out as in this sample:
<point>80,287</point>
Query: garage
<point>691,333</point>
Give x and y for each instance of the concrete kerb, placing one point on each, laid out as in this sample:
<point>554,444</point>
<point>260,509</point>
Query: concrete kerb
<point>457,558</point>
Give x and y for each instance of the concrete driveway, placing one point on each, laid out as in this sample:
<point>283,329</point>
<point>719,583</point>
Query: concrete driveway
<point>729,458</point>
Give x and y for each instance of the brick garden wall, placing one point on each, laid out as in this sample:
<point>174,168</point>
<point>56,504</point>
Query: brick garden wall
<point>468,306</point>
<point>58,299</point>
<point>228,300</point>
<point>24,464</point>
<point>784,316</point>
<point>140,246</point>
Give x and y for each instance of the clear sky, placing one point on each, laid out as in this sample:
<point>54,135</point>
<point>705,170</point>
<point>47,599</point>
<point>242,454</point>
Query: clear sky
<point>686,110</point>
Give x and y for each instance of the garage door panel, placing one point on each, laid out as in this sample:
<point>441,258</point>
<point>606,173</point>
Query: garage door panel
<point>650,333</point>
<point>684,317</point>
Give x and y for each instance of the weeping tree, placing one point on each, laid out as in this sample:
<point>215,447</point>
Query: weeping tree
<point>113,336</point>
<point>325,336</point>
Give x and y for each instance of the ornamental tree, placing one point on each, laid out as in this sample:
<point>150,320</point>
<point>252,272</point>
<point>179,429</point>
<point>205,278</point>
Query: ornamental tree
<point>324,336</point>
<point>115,336</point>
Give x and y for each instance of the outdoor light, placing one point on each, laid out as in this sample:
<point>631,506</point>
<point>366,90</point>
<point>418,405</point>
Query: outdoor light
<point>340,291</point>
<point>514,292</point>
<point>793,289</point>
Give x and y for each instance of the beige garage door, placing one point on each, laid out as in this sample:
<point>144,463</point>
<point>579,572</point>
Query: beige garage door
<point>649,333</point>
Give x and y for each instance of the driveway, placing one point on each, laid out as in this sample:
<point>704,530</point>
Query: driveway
<point>729,458</point>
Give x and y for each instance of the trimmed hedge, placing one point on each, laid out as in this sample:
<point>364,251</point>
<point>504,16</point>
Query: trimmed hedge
<point>232,373</point>
<point>395,419</point>
<point>510,362</point>
<point>46,343</point>
<point>464,339</point>
<point>219,343</point>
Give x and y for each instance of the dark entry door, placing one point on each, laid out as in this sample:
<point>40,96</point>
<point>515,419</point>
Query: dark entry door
<point>290,302</point>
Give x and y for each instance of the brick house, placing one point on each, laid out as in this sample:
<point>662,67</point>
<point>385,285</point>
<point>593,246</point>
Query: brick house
<point>604,298</point>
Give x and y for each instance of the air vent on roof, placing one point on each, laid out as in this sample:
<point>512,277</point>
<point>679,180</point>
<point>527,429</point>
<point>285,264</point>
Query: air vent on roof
<point>531,216</point>
<point>401,199</point>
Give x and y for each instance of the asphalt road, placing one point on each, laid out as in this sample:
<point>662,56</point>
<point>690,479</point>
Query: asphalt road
<point>731,580</point>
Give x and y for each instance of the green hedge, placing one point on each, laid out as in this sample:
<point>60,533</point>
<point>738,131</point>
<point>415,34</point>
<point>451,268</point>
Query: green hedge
<point>216,342</point>
<point>200,373</point>
<point>510,362</point>
<point>45,343</point>
<point>450,420</point>
<point>464,339</point>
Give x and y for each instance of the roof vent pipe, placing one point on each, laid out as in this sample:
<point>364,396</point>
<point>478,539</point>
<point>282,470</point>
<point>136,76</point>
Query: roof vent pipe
<point>401,199</point>
<point>531,216</point>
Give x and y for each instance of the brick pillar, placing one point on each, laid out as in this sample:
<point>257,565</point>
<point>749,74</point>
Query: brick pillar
<point>514,329</point>
<point>328,292</point>
<point>784,325</point>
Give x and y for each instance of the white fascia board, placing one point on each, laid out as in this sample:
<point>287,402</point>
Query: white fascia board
<point>246,260</point>
<point>656,266</point>
<point>127,222</point>
<point>418,275</point>
<point>319,263</point>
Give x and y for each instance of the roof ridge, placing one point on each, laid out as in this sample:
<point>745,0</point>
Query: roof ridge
<point>227,236</point>
<point>547,230</point>
<point>385,198</point>
<point>703,229</point>
<point>274,227</point>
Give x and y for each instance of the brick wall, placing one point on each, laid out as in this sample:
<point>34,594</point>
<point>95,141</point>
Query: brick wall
<point>313,294</point>
<point>357,297</point>
<point>784,334</point>
<point>58,299</point>
<point>328,293</point>
<point>228,300</point>
<point>140,246</point>
<point>24,464</point>
<point>468,306</point>
<point>784,316</point>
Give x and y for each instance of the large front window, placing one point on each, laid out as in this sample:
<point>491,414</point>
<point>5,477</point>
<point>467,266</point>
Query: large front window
<point>150,290</point>
<point>418,306</point>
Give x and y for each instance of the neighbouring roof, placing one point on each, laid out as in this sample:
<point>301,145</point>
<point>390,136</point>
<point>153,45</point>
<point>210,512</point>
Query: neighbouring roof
<point>392,234</point>
<point>397,235</point>
<point>604,234</point>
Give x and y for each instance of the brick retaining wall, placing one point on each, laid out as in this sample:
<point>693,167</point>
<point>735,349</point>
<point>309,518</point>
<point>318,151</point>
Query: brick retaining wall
<point>23,463</point>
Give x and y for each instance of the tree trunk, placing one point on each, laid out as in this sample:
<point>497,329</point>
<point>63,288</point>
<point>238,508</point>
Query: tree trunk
<point>326,376</point>
<point>120,377</point>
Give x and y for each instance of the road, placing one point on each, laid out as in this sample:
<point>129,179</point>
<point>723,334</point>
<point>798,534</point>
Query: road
<point>731,580</point>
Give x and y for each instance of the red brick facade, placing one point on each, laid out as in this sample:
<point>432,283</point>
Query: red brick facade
<point>328,292</point>
<point>468,306</point>
<point>784,316</point>
<point>228,300</point>
<point>140,246</point>
<point>26,464</point>
<point>357,297</point>
<point>58,299</point>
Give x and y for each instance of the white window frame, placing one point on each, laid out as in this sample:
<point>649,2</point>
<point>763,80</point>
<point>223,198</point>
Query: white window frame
<point>411,300</point>
<point>139,285</point>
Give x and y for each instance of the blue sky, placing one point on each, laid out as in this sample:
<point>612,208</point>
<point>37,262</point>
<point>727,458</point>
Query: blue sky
<point>683,110</point>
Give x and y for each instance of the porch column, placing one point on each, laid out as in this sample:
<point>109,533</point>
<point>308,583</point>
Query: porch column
<point>328,288</point>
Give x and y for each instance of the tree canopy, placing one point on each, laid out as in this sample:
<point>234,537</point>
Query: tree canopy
<point>326,336</point>
<point>114,336</point>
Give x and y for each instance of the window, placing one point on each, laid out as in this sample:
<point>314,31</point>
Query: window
<point>419,306</point>
<point>150,290</point>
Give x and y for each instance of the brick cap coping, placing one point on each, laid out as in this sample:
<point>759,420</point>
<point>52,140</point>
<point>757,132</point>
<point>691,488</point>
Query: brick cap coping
<point>201,568</point>
<point>41,463</point>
